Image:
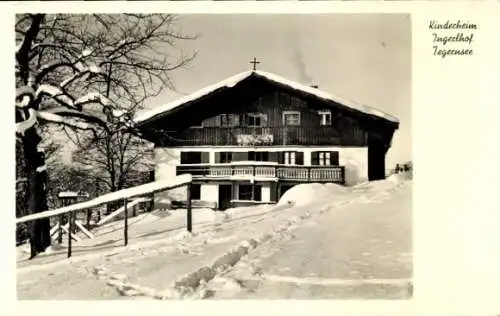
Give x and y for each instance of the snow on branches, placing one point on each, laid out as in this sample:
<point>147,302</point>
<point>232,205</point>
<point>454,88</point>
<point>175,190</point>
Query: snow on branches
<point>28,123</point>
<point>54,118</point>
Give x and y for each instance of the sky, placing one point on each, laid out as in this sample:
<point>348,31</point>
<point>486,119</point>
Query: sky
<point>361,57</point>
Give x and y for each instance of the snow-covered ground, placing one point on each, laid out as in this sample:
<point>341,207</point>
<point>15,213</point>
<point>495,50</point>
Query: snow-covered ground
<point>363,251</point>
<point>163,261</point>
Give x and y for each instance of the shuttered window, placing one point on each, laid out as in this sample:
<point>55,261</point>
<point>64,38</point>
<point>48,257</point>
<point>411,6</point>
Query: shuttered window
<point>289,158</point>
<point>258,156</point>
<point>225,157</point>
<point>191,157</point>
<point>325,158</point>
<point>205,157</point>
<point>292,158</point>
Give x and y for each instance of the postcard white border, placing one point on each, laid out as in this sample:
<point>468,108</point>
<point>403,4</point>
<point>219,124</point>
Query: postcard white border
<point>456,152</point>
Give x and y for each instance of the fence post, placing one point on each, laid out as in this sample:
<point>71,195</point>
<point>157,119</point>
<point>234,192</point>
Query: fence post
<point>125,231</point>
<point>89,217</point>
<point>189,209</point>
<point>60,230</point>
<point>70,231</point>
<point>253,183</point>
<point>61,223</point>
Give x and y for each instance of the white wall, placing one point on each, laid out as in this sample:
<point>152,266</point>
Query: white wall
<point>166,159</point>
<point>209,192</point>
<point>354,159</point>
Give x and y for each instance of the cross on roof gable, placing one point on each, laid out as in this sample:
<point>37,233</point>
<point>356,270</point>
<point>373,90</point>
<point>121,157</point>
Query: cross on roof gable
<point>234,80</point>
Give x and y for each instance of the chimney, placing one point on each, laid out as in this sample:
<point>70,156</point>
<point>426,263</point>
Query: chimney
<point>315,86</point>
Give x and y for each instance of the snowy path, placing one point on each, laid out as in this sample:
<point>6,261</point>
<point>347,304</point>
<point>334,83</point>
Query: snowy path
<point>151,264</point>
<point>360,251</point>
<point>334,235</point>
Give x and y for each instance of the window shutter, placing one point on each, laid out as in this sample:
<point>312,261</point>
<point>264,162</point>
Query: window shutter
<point>314,158</point>
<point>183,157</point>
<point>217,157</point>
<point>258,193</point>
<point>299,158</point>
<point>334,158</point>
<point>274,156</point>
<point>205,157</point>
<point>239,156</point>
<point>265,156</point>
<point>281,157</point>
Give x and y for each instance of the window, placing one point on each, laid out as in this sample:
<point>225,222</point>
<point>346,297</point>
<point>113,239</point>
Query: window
<point>191,157</point>
<point>326,118</point>
<point>256,120</point>
<point>258,156</point>
<point>228,120</point>
<point>325,158</point>
<point>226,157</point>
<point>289,158</point>
<point>223,120</point>
<point>195,191</point>
<point>245,192</point>
<point>291,118</point>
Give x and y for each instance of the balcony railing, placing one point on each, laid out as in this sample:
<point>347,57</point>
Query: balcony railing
<point>264,170</point>
<point>266,136</point>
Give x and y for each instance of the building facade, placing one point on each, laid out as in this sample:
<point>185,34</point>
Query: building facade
<point>251,137</point>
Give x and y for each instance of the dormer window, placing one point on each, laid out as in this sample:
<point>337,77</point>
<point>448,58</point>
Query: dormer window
<point>325,118</point>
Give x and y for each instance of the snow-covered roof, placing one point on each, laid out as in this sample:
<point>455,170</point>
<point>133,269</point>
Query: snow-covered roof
<point>234,80</point>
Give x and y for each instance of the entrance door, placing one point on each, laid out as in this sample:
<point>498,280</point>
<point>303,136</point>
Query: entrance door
<point>225,196</point>
<point>376,160</point>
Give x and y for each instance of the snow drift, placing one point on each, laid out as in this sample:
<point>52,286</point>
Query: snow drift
<point>303,194</point>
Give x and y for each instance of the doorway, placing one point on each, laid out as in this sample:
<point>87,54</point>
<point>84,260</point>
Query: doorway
<point>225,196</point>
<point>376,160</point>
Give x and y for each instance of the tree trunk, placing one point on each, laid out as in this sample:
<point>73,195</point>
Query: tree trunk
<point>36,195</point>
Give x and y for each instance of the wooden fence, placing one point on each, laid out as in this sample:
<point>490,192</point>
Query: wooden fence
<point>122,195</point>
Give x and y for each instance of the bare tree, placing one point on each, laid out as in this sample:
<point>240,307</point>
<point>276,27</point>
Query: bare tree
<point>114,159</point>
<point>62,74</point>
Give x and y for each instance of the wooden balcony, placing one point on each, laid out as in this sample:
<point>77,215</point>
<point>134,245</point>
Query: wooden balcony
<point>266,136</point>
<point>264,171</point>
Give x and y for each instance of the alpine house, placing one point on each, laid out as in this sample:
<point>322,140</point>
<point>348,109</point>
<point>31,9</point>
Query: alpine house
<point>251,137</point>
